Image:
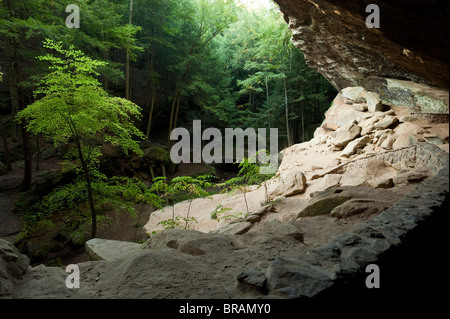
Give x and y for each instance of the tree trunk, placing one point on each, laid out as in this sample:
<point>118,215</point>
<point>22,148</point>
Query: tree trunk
<point>5,144</point>
<point>28,174</point>
<point>127,76</point>
<point>268,99</point>
<point>18,101</point>
<point>38,159</point>
<point>171,124</point>
<point>303,121</point>
<point>127,67</point>
<point>188,212</point>
<point>87,177</point>
<point>106,79</point>
<point>151,101</point>
<point>245,198</point>
<point>13,92</point>
<point>177,111</point>
<point>266,192</point>
<point>288,130</point>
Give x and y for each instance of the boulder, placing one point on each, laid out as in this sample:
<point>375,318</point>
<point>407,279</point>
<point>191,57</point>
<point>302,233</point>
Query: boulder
<point>256,216</point>
<point>415,176</point>
<point>323,203</point>
<point>290,183</point>
<point>53,151</point>
<point>339,114</point>
<point>386,122</point>
<point>12,266</point>
<point>278,229</point>
<point>368,125</point>
<point>435,139</point>
<point>354,94</point>
<point>3,168</point>
<point>234,229</point>
<point>155,155</point>
<point>111,151</point>
<point>253,279</point>
<point>355,145</point>
<point>358,206</point>
<point>360,107</point>
<point>374,102</point>
<point>388,143</point>
<point>193,242</point>
<point>292,278</point>
<point>104,249</point>
<point>346,134</point>
<point>386,184</point>
<point>330,181</point>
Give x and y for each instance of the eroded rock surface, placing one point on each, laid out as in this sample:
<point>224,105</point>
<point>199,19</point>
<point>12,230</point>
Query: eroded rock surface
<point>400,61</point>
<point>336,210</point>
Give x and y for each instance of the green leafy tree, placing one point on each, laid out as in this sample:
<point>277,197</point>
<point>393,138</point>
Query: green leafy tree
<point>209,20</point>
<point>74,107</point>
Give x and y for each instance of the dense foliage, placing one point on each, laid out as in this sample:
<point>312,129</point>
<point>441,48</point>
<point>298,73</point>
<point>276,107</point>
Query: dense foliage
<point>137,69</point>
<point>185,60</point>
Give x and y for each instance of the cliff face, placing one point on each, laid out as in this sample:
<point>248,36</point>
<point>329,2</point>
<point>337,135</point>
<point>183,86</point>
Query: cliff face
<point>411,44</point>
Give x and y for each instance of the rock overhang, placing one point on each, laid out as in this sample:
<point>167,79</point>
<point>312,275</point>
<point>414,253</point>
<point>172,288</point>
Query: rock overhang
<point>410,48</point>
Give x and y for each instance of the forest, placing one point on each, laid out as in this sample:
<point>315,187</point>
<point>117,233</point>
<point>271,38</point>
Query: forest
<point>134,71</point>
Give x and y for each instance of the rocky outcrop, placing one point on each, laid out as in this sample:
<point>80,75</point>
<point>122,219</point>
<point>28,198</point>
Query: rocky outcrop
<point>288,184</point>
<point>102,249</point>
<point>403,61</point>
<point>339,207</point>
<point>12,266</point>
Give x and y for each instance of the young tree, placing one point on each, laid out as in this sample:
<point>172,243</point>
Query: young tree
<point>5,139</point>
<point>74,107</point>
<point>182,185</point>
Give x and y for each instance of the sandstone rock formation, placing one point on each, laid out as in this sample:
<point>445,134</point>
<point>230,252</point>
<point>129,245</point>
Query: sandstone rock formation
<point>12,266</point>
<point>342,201</point>
<point>288,184</point>
<point>402,61</point>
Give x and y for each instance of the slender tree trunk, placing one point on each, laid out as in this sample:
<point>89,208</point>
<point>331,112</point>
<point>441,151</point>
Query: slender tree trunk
<point>127,67</point>
<point>172,113</point>
<point>268,99</point>
<point>127,76</point>
<point>28,174</point>
<point>187,216</point>
<point>288,130</point>
<point>253,102</point>
<point>245,199</point>
<point>151,101</point>
<point>5,145</point>
<point>38,154</point>
<point>106,79</point>
<point>163,168</point>
<point>13,92</point>
<point>177,111</point>
<point>266,192</point>
<point>87,177</point>
<point>303,121</point>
